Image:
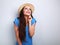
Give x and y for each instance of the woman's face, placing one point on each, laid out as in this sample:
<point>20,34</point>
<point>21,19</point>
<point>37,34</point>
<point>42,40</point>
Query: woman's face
<point>27,10</point>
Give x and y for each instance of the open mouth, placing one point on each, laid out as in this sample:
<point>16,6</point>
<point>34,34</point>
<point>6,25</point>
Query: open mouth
<point>28,12</point>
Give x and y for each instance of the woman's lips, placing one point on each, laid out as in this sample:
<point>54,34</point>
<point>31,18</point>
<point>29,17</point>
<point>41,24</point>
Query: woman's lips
<point>28,12</point>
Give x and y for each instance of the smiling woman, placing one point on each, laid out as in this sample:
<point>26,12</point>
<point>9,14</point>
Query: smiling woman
<point>24,25</point>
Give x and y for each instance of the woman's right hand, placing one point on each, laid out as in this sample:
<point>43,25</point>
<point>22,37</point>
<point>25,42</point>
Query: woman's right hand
<point>20,43</point>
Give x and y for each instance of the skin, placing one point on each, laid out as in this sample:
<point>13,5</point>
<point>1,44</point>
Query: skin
<point>27,15</point>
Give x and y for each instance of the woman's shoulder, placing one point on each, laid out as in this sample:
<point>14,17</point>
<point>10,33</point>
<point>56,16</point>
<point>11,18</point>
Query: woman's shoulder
<point>16,21</point>
<point>33,20</point>
<point>17,18</point>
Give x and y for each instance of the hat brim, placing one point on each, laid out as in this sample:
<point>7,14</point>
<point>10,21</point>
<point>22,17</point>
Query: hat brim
<point>26,4</point>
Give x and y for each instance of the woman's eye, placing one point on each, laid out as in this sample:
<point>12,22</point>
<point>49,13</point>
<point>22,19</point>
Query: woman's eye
<point>25,8</point>
<point>30,9</point>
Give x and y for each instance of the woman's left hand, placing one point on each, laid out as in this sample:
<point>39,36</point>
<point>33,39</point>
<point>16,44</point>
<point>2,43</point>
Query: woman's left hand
<point>29,18</point>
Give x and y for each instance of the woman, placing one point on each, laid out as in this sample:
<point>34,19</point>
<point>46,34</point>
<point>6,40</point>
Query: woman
<point>24,25</point>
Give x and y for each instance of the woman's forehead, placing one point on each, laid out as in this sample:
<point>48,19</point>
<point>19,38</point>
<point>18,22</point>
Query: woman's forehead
<point>26,6</point>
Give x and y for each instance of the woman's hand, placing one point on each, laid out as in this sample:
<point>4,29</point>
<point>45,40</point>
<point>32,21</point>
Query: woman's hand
<point>31,27</point>
<point>29,19</point>
<point>20,43</point>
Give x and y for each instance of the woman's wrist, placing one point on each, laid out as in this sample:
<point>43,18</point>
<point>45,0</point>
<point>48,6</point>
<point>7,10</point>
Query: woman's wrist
<point>29,23</point>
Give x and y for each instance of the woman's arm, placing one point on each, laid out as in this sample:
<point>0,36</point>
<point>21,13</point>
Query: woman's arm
<point>17,35</point>
<point>31,28</point>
